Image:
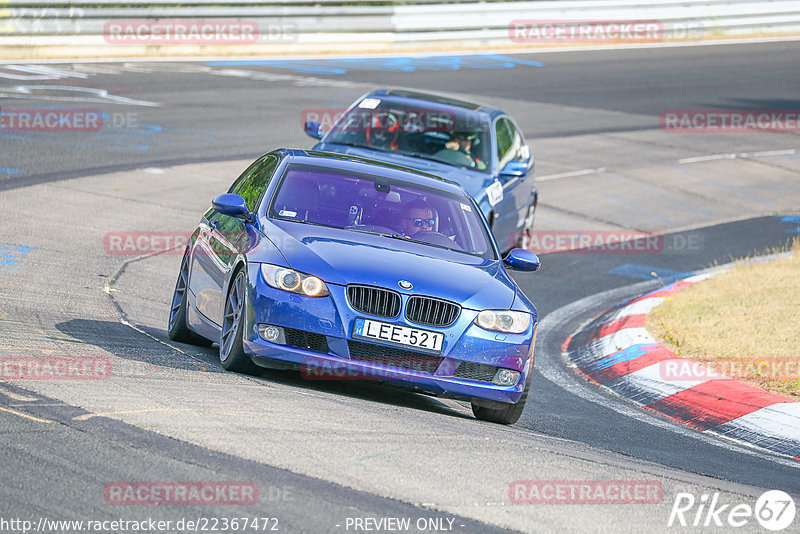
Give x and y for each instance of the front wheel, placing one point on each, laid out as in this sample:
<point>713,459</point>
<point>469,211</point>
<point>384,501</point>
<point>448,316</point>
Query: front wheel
<point>178,329</point>
<point>508,415</point>
<point>231,351</point>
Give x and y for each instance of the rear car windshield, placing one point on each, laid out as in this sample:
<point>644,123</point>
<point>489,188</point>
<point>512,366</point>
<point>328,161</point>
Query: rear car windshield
<point>454,136</point>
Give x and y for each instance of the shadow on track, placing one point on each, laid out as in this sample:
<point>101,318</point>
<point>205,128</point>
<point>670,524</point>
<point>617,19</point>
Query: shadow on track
<point>123,341</point>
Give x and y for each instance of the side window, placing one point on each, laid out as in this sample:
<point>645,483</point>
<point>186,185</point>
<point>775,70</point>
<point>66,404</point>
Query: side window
<point>505,139</point>
<point>252,184</point>
<point>246,174</point>
<point>510,145</point>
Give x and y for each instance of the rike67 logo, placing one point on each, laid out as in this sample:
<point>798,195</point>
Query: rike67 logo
<point>774,510</point>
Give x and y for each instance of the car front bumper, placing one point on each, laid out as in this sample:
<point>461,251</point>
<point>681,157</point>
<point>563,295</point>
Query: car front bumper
<point>318,341</point>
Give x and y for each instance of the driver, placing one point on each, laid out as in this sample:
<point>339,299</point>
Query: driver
<point>462,142</point>
<point>418,218</point>
<point>459,141</point>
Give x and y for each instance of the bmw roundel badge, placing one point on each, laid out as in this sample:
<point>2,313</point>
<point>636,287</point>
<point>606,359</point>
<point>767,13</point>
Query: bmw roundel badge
<point>405,284</point>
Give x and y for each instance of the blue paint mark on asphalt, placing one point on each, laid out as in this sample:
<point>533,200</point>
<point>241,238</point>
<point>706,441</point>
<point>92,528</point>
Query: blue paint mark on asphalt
<point>112,137</point>
<point>516,60</point>
<point>792,220</point>
<point>306,67</point>
<point>631,353</point>
<point>642,272</point>
<point>388,64</point>
<point>10,256</point>
<point>12,136</point>
<point>10,171</point>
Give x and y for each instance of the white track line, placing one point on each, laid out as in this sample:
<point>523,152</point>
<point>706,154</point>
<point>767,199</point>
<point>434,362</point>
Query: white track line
<point>710,157</point>
<point>695,159</point>
<point>740,155</point>
<point>570,174</point>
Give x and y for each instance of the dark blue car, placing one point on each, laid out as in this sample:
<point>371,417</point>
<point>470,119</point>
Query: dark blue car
<point>347,268</point>
<point>477,146</point>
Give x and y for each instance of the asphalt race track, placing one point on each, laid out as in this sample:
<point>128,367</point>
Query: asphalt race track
<point>325,454</point>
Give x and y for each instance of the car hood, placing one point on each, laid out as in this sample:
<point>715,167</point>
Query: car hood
<point>345,257</point>
<point>472,181</point>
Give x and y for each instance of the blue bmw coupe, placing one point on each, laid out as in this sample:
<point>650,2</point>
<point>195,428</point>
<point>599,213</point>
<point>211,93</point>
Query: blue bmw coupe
<point>349,268</point>
<point>477,146</point>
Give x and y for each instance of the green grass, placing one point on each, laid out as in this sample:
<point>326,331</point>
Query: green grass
<point>744,323</point>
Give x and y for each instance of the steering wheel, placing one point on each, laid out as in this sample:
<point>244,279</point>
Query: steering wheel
<point>383,130</point>
<point>434,238</point>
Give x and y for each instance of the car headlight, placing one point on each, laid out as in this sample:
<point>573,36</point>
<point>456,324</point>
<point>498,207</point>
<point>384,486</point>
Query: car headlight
<point>508,321</point>
<point>293,281</point>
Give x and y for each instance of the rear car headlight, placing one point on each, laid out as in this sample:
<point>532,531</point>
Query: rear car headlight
<point>508,321</point>
<point>293,281</point>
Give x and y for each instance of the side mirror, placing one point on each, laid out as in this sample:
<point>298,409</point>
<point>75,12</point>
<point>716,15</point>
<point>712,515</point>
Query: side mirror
<point>313,129</point>
<point>233,205</point>
<point>514,169</point>
<point>520,259</point>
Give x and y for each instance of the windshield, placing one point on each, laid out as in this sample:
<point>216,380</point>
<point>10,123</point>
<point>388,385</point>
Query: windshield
<point>395,209</point>
<point>455,136</point>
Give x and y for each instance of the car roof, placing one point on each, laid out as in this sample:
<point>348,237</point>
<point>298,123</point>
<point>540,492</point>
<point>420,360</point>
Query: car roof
<point>410,97</point>
<point>359,164</point>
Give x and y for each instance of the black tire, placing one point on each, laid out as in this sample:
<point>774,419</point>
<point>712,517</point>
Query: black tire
<point>508,415</point>
<point>523,239</point>
<point>177,329</point>
<point>231,351</point>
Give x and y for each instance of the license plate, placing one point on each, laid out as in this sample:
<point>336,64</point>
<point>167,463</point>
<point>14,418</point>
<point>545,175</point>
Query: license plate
<point>395,334</point>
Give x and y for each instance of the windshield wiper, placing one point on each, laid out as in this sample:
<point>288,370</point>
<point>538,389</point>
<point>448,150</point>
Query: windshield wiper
<point>356,145</point>
<point>431,158</point>
<point>409,239</point>
<point>398,236</point>
<point>367,147</point>
<point>393,236</point>
<point>345,143</point>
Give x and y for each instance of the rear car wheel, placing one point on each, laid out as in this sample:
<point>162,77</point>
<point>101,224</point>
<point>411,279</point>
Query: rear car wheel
<point>524,238</point>
<point>178,329</point>
<point>507,415</point>
<point>231,352</point>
